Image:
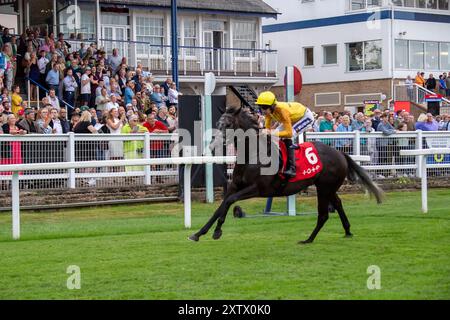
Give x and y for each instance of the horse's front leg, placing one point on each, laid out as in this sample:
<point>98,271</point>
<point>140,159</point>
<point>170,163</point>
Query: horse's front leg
<point>221,213</point>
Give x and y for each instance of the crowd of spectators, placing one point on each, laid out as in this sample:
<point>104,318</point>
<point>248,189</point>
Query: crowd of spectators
<point>387,121</point>
<point>74,83</point>
<point>383,150</point>
<point>440,86</point>
<point>88,91</point>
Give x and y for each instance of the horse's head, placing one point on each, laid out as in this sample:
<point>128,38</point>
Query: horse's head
<point>235,118</point>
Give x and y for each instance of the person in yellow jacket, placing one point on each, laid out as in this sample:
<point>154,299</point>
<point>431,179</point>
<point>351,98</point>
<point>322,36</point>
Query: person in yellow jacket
<point>16,101</point>
<point>293,118</point>
<point>420,80</point>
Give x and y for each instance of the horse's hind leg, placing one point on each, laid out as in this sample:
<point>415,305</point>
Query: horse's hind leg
<point>322,206</point>
<point>337,203</point>
<point>221,212</point>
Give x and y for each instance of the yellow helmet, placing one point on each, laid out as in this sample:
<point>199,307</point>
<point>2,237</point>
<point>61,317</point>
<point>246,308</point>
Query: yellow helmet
<point>266,98</point>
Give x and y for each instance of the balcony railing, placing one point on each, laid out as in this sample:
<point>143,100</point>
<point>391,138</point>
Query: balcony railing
<point>416,94</point>
<point>194,61</point>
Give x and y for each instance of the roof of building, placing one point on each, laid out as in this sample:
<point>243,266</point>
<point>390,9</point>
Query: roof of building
<point>243,6</point>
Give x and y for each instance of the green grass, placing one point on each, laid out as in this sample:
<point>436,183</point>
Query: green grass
<point>141,252</point>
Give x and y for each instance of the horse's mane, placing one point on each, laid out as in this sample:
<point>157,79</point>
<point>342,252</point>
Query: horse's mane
<point>250,117</point>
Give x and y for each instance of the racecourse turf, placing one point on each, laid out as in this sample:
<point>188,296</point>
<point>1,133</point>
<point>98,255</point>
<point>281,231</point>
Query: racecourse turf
<point>142,252</point>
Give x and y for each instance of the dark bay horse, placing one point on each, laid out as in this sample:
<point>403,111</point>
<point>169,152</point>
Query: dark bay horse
<point>247,181</point>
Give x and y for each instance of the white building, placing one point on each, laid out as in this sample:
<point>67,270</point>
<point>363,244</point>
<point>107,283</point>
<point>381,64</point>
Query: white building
<point>355,50</point>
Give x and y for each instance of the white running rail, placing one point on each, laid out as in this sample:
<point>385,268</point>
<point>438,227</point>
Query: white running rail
<point>186,161</point>
<point>423,153</point>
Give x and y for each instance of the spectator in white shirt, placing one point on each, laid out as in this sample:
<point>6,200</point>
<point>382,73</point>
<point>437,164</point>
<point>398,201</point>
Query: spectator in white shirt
<point>86,80</point>
<point>112,104</point>
<point>173,95</point>
<point>42,63</point>
<point>53,99</point>
<point>55,123</point>
<point>102,100</point>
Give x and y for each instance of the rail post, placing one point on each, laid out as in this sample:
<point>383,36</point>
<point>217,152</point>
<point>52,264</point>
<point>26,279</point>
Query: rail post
<point>187,195</point>
<point>419,159</point>
<point>424,185</point>
<point>147,169</point>
<point>15,205</point>
<point>71,158</point>
<point>357,144</point>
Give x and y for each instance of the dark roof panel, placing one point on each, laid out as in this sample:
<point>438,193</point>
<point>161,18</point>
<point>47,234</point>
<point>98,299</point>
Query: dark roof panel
<point>247,6</point>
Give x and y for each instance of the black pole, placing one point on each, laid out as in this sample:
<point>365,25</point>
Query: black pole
<point>174,33</point>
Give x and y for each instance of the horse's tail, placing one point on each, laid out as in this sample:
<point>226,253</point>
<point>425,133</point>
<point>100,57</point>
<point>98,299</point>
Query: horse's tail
<point>358,174</point>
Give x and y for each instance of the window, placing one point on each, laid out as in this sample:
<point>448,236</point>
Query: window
<point>87,22</point>
<point>309,57</point>
<point>189,35</point>
<point>373,3</point>
<point>358,4</point>
<point>432,4</point>
<point>425,4</point>
<point>244,37</point>
<point>114,19</point>
<point>416,54</point>
<point>364,56</point>
<point>363,4</point>
<point>372,55</point>
<point>445,55</point>
<point>443,4</point>
<point>150,30</point>
<point>355,56</point>
<point>426,55</point>
<point>431,55</point>
<point>421,3</point>
<point>330,54</point>
<point>401,54</point>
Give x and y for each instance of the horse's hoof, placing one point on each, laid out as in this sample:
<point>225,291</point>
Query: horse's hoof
<point>305,242</point>
<point>194,238</point>
<point>237,212</point>
<point>217,235</point>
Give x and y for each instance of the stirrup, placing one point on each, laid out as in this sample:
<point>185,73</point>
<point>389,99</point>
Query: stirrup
<point>290,174</point>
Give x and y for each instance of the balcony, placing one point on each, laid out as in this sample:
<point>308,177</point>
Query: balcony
<point>193,62</point>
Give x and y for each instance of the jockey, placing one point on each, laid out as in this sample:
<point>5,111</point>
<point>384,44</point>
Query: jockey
<point>293,119</point>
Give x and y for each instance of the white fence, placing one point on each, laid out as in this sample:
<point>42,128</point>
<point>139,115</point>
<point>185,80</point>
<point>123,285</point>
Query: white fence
<point>32,149</point>
<point>386,161</point>
<point>423,153</point>
<point>15,170</point>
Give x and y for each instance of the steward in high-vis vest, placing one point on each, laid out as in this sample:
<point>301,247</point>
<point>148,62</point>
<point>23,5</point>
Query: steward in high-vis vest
<point>293,118</point>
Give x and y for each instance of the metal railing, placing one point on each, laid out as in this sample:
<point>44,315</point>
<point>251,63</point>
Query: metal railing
<point>415,93</point>
<point>38,88</point>
<point>193,60</point>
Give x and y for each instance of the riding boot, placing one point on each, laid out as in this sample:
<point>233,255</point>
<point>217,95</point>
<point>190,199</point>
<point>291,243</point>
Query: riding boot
<point>290,165</point>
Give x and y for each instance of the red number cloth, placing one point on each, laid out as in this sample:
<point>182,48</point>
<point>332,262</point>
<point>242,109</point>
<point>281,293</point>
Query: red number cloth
<point>307,158</point>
